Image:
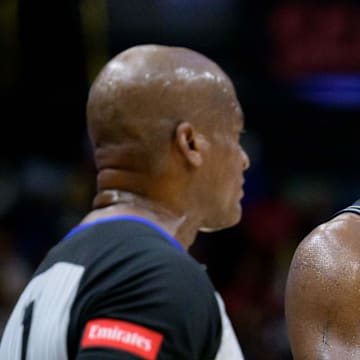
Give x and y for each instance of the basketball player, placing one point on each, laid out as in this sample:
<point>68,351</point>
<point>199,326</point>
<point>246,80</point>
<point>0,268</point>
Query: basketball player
<point>323,291</point>
<point>165,124</point>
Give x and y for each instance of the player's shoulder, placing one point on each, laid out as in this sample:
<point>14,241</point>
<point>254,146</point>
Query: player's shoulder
<point>329,255</point>
<point>336,239</point>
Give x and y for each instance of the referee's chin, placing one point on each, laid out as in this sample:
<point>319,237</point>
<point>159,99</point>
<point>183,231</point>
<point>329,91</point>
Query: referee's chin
<point>227,221</point>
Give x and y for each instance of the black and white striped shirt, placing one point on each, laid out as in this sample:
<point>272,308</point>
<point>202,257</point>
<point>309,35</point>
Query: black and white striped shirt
<point>119,288</point>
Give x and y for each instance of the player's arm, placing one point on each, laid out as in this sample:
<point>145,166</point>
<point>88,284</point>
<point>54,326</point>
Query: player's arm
<point>323,295</point>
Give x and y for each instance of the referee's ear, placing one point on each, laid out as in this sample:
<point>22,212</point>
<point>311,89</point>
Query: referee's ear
<point>191,144</point>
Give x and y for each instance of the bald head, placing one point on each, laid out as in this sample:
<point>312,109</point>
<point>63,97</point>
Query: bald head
<point>150,62</point>
<point>142,94</point>
<point>146,85</point>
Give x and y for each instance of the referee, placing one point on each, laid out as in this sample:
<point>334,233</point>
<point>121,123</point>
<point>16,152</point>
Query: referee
<point>165,126</point>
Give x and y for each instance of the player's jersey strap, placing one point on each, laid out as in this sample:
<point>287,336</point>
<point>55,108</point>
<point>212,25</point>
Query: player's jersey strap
<point>354,208</point>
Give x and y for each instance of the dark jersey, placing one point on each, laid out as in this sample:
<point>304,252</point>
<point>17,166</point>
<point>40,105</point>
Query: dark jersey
<point>354,208</point>
<point>119,288</point>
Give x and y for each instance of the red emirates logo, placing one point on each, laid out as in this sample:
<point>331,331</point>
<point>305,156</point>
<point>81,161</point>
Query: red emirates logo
<point>122,335</point>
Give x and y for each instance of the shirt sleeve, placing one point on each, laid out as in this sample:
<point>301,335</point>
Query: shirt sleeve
<point>163,309</point>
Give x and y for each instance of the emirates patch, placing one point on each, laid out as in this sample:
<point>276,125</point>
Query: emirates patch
<point>122,335</point>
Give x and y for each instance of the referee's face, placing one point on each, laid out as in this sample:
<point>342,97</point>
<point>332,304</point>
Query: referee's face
<point>225,169</point>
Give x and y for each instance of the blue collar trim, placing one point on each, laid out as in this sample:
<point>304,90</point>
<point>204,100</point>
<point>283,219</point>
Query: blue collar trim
<point>139,219</point>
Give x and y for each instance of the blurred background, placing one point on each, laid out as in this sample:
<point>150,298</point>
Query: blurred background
<point>296,68</point>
